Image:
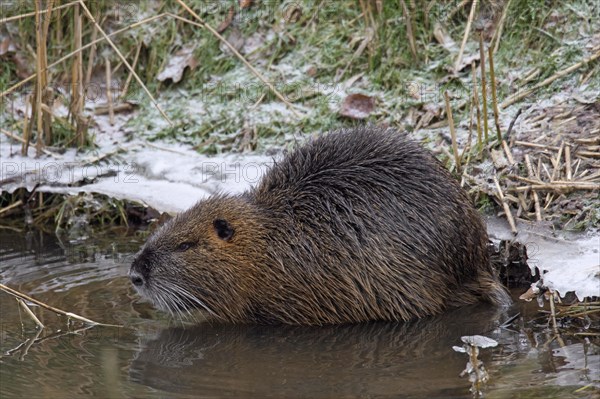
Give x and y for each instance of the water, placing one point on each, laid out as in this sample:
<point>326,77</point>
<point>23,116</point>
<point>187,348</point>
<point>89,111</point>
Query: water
<point>153,356</point>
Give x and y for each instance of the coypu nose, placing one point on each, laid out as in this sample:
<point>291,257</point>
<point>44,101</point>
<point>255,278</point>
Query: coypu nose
<point>136,278</point>
<point>138,273</point>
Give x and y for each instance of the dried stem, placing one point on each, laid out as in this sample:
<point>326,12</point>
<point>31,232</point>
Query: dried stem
<point>72,53</point>
<point>27,298</point>
<point>109,101</point>
<point>409,29</point>
<point>30,313</point>
<point>568,162</point>
<point>236,53</point>
<point>498,33</point>
<point>476,101</point>
<point>466,35</point>
<point>536,198</point>
<point>452,133</point>
<point>137,78</point>
<point>494,94</point>
<point>483,87</point>
<point>509,216</point>
<point>522,94</point>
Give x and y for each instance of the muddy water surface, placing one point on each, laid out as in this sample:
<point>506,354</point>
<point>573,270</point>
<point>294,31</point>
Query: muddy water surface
<point>152,356</point>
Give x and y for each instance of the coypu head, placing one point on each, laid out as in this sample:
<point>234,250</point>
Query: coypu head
<point>201,259</point>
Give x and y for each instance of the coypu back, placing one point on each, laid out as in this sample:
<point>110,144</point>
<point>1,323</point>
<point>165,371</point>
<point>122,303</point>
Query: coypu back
<point>355,225</point>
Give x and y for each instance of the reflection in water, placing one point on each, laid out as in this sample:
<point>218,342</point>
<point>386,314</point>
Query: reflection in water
<point>413,360</point>
<point>375,359</point>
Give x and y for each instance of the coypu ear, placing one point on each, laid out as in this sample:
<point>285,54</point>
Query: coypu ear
<point>223,229</point>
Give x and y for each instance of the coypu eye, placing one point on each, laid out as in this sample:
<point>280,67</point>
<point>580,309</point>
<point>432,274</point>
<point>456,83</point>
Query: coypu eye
<point>184,246</point>
<point>223,229</point>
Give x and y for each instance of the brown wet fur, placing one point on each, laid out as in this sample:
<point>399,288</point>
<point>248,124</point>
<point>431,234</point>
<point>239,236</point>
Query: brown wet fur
<point>355,225</point>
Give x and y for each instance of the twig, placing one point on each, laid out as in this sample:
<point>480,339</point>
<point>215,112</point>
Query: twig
<point>11,206</point>
<point>30,313</point>
<point>466,35</point>
<point>409,30</point>
<point>14,137</point>
<point>235,52</point>
<point>512,123</point>
<point>498,33</point>
<point>508,153</point>
<point>20,295</point>
<point>507,211</point>
<point>124,60</point>
<point>568,162</point>
<point>452,133</point>
<point>483,86</point>
<point>557,163</point>
<point>494,95</point>
<point>476,102</point>
<point>519,96</point>
<point>536,198</point>
<point>109,100</point>
<point>560,185</point>
<point>536,145</point>
<point>32,14</point>
<point>134,64</point>
<point>72,53</point>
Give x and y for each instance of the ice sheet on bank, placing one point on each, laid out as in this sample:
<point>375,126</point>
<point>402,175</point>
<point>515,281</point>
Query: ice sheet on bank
<point>169,178</point>
<point>567,262</point>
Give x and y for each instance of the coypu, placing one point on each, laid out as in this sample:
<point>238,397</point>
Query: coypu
<point>355,225</point>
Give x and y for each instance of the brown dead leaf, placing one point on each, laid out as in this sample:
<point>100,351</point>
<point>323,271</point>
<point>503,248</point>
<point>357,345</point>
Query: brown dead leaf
<point>443,37</point>
<point>227,21</point>
<point>245,3</point>
<point>528,295</point>
<point>357,106</point>
<point>7,46</point>
<point>182,59</point>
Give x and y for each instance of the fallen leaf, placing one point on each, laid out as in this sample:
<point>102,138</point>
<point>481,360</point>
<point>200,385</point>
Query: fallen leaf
<point>7,46</point>
<point>245,3</point>
<point>227,21</point>
<point>182,59</point>
<point>443,37</point>
<point>357,106</point>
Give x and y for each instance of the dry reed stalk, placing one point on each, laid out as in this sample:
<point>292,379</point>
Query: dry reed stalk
<point>455,9</point>
<point>509,216</point>
<point>466,35</point>
<point>77,92</point>
<point>30,313</point>
<point>109,101</point>
<point>508,152</point>
<point>560,186</point>
<point>588,154</point>
<point>536,198</point>
<point>498,33</point>
<point>483,87</point>
<point>476,101</point>
<point>494,94</point>
<point>409,29</point>
<point>90,63</point>
<point>112,44</point>
<point>32,14</point>
<point>512,123</point>
<point>41,82</point>
<point>27,298</point>
<point>22,141</point>
<point>557,163</point>
<point>130,76</point>
<point>519,96</point>
<point>452,133</point>
<point>72,53</point>
<point>203,24</point>
<point>568,162</point>
<point>536,145</point>
<point>11,206</point>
